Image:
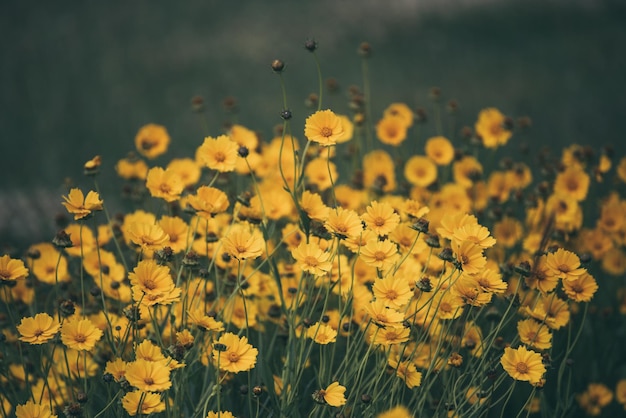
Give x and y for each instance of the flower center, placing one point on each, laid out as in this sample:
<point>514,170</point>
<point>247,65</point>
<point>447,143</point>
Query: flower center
<point>147,144</point>
<point>233,357</point>
<point>577,288</point>
<point>496,128</point>
<point>148,381</point>
<point>572,185</point>
<point>220,157</point>
<point>326,131</point>
<point>564,268</point>
<point>391,295</point>
<point>311,261</point>
<point>379,256</point>
<point>378,221</point>
<point>80,338</point>
<point>521,367</point>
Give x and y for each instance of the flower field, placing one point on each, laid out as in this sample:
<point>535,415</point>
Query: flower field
<point>329,271</point>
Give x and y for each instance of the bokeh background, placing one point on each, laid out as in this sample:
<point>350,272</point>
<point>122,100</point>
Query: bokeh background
<point>79,78</point>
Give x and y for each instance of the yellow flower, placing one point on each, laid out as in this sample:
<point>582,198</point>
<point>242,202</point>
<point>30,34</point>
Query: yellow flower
<point>221,414</point>
<point>208,201</point>
<point>39,329</point>
<point>348,129</point>
<point>489,281</point>
<point>490,128</point>
<point>321,333</point>
<point>147,236</point>
<point>380,218</point>
<point>614,262</point>
<point>321,173</point>
<point>80,205</point>
<point>80,334</point>
<point>187,169</point>
<point>243,243</point>
<point>333,395</point>
<point>401,111</point>
<point>534,334</point>
<point>116,368</point>
<point>50,266</point>
<point>520,176</point>
<point>470,257</point>
<point>420,171</point>
<point>380,254</point>
<point>449,306</point>
<point>132,168</point>
<point>450,224</point>
<point>380,314</point>
<point>467,171</point>
<point>143,403</point>
<point>152,283</point>
<point>470,292</point>
<point>234,354</point>
<point>394,291</point>
<point>324,127</point>
<point>390,335</point>
<point>475,233</point>
<point>199,318</point>
<point>396,412</point>
<point>218,154</point>
<point>164,184</point>
<point>33,410</point>
<point>312,258</point>
<point>523,364</point>
<point>440,150</point>
<point>596,397</point>
<point>148,376</point>
<point>152,140</point>
<point>541,278</point>
<point>240,312</point>
<point>379,171</point>
<point>344,223</point>
<point>406,371</point>
<point>549,309</point>
<point>573,182</point>
<point>581,289</point>
<point>244,136</point>
<point>508,231</point>
<point>498,187</point>
<point>564,264</point>
<point>391,130</point>
<point>314,207</point>
<point>177,230</point>
<point>12,269</point>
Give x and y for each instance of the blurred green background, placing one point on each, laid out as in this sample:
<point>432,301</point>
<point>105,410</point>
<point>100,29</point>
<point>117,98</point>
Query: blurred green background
<point>79,78</point>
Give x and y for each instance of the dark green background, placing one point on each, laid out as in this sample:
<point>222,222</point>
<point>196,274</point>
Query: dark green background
<point>79,78</point>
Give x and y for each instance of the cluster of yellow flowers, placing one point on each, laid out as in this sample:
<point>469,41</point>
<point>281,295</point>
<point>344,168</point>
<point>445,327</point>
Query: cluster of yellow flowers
<point>264,284</point>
